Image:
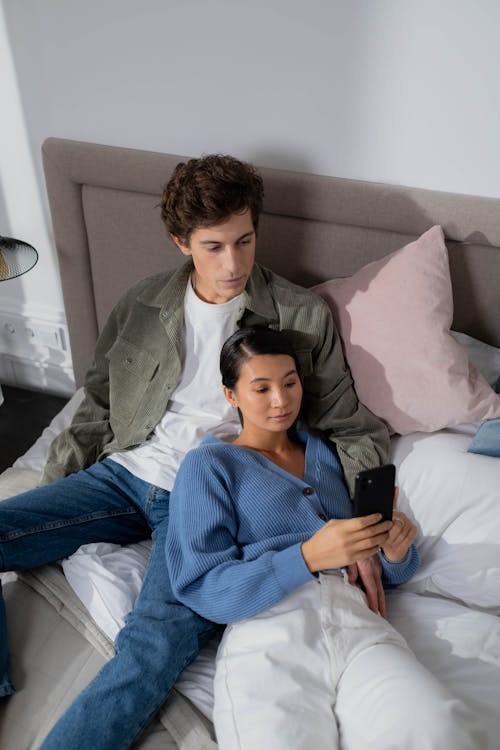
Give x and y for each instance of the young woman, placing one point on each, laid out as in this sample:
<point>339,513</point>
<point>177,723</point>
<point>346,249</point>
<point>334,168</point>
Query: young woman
<point>260,535</point>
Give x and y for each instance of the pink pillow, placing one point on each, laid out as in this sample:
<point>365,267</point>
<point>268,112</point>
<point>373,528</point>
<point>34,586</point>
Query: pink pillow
<point>394,317</point>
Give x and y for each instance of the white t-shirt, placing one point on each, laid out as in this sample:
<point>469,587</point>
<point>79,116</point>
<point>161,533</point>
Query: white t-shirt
<point>197,406</point>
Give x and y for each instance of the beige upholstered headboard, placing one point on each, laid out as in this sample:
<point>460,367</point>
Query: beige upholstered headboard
<point>108,233</point>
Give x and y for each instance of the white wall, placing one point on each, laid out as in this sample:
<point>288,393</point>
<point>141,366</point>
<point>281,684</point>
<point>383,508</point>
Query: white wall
<point>390,90</point>
<point>34,349</point>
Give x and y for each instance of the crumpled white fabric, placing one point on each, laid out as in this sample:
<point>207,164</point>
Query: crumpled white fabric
<point>107,579</point>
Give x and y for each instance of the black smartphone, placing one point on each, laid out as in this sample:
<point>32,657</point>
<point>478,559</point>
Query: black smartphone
<point>374,491</point>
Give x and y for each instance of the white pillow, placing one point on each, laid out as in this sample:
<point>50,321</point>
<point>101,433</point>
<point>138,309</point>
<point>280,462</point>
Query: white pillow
<point>454,497</point>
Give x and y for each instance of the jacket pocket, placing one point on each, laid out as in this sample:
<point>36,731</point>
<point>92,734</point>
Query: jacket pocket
<point>131,369</point>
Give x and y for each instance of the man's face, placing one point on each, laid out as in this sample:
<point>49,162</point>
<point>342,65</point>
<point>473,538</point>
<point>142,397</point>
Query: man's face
<point>223,257</point>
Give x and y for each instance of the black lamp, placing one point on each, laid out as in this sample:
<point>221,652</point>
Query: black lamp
<point>16,257</point>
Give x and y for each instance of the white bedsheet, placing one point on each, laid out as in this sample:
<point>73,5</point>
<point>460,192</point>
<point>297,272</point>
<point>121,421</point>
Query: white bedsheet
<point>448,612</point>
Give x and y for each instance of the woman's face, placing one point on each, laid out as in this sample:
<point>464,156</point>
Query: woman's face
<point>268,393</point>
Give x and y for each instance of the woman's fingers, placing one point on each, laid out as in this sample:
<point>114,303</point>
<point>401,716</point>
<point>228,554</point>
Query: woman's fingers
<point>401,536</point>
<point>341,542</point>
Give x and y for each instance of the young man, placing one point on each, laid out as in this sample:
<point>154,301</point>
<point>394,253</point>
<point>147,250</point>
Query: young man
<point>152,393</point>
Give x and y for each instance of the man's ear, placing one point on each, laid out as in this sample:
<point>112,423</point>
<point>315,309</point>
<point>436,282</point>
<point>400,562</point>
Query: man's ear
<point>180,244</point>
<point>230,397</point>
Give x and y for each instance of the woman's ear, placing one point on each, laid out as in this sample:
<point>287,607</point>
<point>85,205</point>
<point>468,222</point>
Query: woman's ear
<point>230,397</point>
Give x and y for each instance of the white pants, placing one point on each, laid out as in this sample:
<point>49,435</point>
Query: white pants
<point>320,671</point>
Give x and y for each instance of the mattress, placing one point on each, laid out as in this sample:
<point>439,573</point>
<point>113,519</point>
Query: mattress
<point>63,617</point>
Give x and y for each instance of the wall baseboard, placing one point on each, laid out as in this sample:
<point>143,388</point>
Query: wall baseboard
<point>34,352</point>
<point>36,376</point>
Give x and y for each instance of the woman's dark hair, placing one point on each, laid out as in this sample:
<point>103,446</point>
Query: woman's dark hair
<point>204,192</point>
<point>247,343</point>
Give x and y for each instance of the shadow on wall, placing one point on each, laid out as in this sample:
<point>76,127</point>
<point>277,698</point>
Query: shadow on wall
<point>277,157</point>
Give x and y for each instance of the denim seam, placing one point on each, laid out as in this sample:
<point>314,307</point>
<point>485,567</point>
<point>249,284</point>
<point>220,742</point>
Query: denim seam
<point>153,494</point>
<point>65,524</point>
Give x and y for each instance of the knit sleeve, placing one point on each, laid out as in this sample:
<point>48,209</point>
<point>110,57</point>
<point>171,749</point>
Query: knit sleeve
<point>394,573</point>
<point>208,570</point>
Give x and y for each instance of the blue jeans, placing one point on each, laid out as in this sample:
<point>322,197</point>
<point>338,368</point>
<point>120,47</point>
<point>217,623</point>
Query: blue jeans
<point>160,636</point>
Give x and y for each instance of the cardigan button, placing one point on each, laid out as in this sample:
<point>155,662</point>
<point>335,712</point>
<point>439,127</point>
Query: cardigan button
<point>307,491</point>
<point>322,517</point>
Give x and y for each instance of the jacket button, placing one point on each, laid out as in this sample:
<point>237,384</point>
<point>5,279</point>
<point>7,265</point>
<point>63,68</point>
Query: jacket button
<point>129,360</point>
<point>322,517</point>
<point>307,491</point>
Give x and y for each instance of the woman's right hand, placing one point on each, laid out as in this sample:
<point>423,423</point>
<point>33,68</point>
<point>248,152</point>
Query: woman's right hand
<point>341,542</point>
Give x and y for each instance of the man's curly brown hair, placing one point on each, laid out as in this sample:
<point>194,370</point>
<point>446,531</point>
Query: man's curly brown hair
<point>204,192</point>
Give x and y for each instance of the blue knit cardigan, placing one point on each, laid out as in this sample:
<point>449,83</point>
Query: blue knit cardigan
<point>237,522</point>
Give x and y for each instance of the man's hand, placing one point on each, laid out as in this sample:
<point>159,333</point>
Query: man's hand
<point>370,572</point>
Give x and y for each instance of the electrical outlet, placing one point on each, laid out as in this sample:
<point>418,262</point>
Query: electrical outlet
<point>8,335</point>
<point>23,336</point>
<point>44,335</point>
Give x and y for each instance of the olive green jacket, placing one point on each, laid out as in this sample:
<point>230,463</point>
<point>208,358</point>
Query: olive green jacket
<point>137,366</point>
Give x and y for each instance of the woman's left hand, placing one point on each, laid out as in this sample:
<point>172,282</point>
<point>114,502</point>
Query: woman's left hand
<point>402,534</point>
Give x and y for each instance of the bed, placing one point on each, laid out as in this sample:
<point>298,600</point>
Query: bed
<point>413,280</point>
